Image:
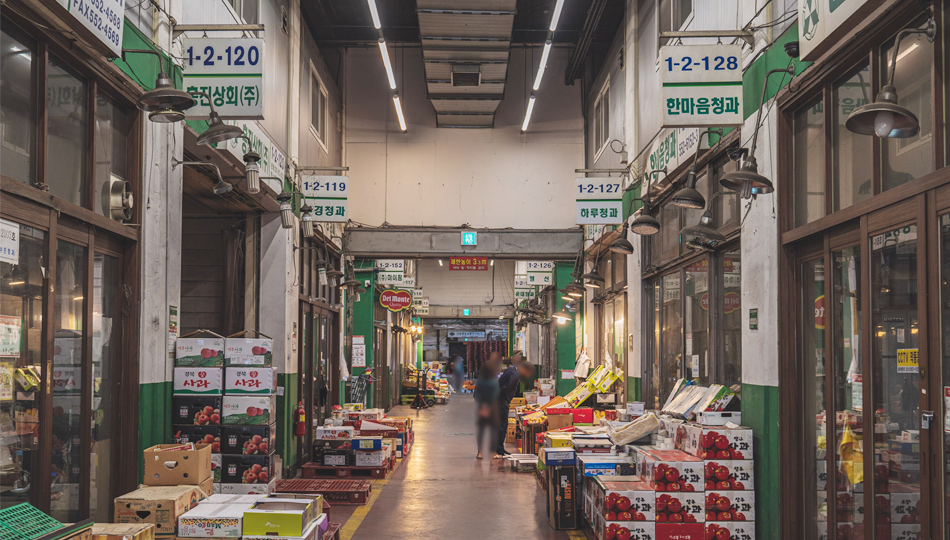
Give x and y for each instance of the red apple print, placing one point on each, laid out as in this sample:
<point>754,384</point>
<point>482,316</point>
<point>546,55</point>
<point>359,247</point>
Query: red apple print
<point>623,534</point>
<point>251,449</point>
<point>676,518</point>
<point>690,518</point>
<point>711,531</point>
<point>722,442</point>
<point>723,534</point>
<point>725,485</point>
<point>722,473</point>
<point>674,506</point>
<point>672,475</point>
<point>257,468</point>
<point>688,487</point>
<point>262,476</point>
<point>623,504</point>
<point>660,486</point>
<point>215,419</point>
<point>710,485</point>
<point>611,516</point>
<point>738,486</point>
<point>725,516</point>
<point>209,438</point>
<point>722,504</point>
<point>256,439</point>
<point>206,353</point>
<point>660,517</point>
<point>252,411</point>
<point>639,517</point>
<point>711,516</point>
<point>216,447</point>
<point>611,532</point>
<point>251,478</point>
<point>262,447</point>
<point>253,374</point>
<point>624,516</point>
<point>612,500</point>
<point>723,454</point>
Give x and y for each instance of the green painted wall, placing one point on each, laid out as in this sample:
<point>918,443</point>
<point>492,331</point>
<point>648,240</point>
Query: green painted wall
<point>633,389</point>
<point>155,417</point>
<point>286,410</point>
<point>364,312</point>
<point>760,412</point>
<point>754,76</point>
<point>565,336</point>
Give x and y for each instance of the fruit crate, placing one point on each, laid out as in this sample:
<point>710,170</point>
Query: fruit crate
<point>332,532</point>
<point>335,491</point>
<point>315,470</point>
<point>24,522</point>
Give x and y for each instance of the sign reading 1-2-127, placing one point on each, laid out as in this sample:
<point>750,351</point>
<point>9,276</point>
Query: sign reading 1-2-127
<point>231,71</point>
<point>702,85</point>
<point>327,195</point>
<point>599,201</point>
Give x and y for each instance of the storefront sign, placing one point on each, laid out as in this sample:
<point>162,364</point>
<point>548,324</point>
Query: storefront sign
<point>754,319</point>
<point>417,292</point>
<point>946,407</point>
<point>231,71</point>
<point>9,242</point>
<point>408,283</point>
<point>702,85</point>
<point>10,331</point>
<point>104,18</point>
<point>672,147</point>
<point>273,161</point>
<point>420,310</point>
<point>907,361</point>
<point>359,351</point>
<point>390,278</point>
<point>524,289</point>
<point>894,238</point>
<point>420,301</point>
<point>468,263</point>
<point>6,383</point>
<point>599,201</point>
<point>567,374</point>
<point>731,301</point>
<point>466,334</point>
<point>822,22</point>
<point>394,300</point>
<point>820,312</point>
<point>391,265</point>
<point>857,393</point>
<point>391,272</point>
<point>327,195</point>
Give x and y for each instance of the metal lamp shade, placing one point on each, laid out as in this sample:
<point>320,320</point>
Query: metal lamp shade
<point>221,187</point>
<point>863,119</point>
<point>621,245</point>
<point>689,198</point>
<point>306,221</point>
<point>349,283</point>
<point>645,224</point>
<point>593,279</point>
<point>562,316</point>
<point>252,172</point>
<point>699,245</point>
<point>218,131</point>
<point>166,104</point>
<point>286,211</point>
<point>704,230</point>
<point>747,179</point>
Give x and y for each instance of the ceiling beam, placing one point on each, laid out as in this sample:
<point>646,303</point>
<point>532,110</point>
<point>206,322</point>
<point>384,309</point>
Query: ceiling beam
<point>437,242</point>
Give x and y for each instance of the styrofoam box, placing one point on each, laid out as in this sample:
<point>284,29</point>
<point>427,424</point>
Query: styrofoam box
<point>249,380</point>
<point>198,381</point>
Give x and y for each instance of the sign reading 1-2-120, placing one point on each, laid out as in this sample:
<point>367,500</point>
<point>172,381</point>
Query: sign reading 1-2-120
<point>702,85</point>
<point>230,71</point>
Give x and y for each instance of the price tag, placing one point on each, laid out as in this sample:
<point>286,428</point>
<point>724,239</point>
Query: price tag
<point>635,408</point>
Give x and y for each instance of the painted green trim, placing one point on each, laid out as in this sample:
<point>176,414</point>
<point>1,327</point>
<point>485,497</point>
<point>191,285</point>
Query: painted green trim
<point>760,412</point>
<point>286,409</point>
<point>633,389</point>
<point>364,322</point>
<point>564,343</point>
<point>144,68</point>
<point>242,75</point>
<point>691,84</point>
<point>155,418</point>
<point>511,337</point>
<point>629,204</point>
<point>773,58</point>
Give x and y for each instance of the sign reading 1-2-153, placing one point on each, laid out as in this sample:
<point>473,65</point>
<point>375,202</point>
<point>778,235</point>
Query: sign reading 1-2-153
<point>327,195</point>
<point>702,85</point>
<point>231,71</point>
<point>599,201</point>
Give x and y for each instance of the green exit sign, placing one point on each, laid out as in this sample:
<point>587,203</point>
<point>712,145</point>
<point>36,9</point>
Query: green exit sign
<point>466,312</point>
<point>470,238</point>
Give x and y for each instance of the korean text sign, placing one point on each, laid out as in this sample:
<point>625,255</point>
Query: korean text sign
<point>468,263</point>
<point>104,18</point>
<point>702,85</point>
<point>230,71</point>
<point>599,201</point>
<point>327,195</point>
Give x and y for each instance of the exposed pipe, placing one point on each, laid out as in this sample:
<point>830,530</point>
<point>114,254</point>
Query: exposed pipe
<point>583,43</point>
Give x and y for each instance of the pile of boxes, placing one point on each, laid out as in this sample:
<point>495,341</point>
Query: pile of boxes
<point>225,396</point>
<point>284,516</point>
<point>367,439</point>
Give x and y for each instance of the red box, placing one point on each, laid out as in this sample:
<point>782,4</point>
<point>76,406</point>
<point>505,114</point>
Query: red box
<point>680,531</point>
<point>728,475</point>
<point>730,505</point>
<point>557,410</point>
<point>631,530</point>
<point>623,500</point>
<point>672,470</point>
<point>680,508</point>
<point>583,416</point>
<point>731,530</point>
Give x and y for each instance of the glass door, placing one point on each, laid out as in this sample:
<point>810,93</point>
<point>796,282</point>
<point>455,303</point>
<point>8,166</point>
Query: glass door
<point>306,374</point>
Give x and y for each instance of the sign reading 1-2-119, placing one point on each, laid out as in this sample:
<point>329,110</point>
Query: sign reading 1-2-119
<point>327,195</point>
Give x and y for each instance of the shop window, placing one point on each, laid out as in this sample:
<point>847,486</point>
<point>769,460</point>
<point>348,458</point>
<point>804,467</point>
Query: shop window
<point>22,297</point>
<point>696,321</point>
<point>248,10</point>
<point>691,216</point>
<point>671,334</point>
<point>672,16</point>
<point>666,244</point>
<point>318,108</point>
<point>731,341</point>
<point>18,106</point>
<point>601,129</point>
<point>814,433</point>
<point>112,137</point>
<point>808,126</point>
<point>726,213</point>
<point>653,294</point>
<point>67,134</point>
<point>853,170</point>
<point>906,159</point>
<point>104,446</point>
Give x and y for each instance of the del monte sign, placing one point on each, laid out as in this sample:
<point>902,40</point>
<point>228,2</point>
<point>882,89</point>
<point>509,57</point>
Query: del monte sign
<point>395,300</point>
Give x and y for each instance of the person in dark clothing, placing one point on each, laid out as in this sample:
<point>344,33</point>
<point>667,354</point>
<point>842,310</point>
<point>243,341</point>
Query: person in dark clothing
<point>486,406</point>
<point>508,384</point>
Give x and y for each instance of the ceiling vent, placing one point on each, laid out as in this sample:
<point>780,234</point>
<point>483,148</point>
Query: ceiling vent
<point>466,75</point>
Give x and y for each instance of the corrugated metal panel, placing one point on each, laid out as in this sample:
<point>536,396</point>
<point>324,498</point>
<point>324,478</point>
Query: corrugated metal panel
<point>433,55</point>
<point>437,42</point>
<point>466,120</point>
<point>490,72</point>
<point>445,87</point>
<point>463,25</point>
<point>465,105</point>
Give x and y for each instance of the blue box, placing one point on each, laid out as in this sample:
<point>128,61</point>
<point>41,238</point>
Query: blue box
<point>558,456</point>
<point>904,447</point>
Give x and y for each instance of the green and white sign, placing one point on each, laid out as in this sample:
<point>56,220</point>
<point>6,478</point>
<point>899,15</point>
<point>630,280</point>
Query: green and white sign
<point>671,147</point>
<point>524,289</point>
<point>327,195</point>
<point>230,71</point>
<point>702,85</point>
<point>391,271</point>
<point>599,201</point>
<point>821,23</point>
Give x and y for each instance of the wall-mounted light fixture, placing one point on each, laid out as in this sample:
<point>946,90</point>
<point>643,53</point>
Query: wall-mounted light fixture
<point>286,209</point>
<point>306,221</point>
<point>621,245</point>
<point>220,187</point>
<point>217,130</point>
<point>252,171</point>
<point>689,197</point>
<point>164,104</point>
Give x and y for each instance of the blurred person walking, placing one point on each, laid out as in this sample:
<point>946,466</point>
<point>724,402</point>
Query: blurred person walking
<point>487,392</point>
<point>509,382</point>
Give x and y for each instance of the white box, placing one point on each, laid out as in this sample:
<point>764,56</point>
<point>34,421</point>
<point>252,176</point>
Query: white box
<point>213,521</point>
<point>68,379</point>
<point>370,458</point>
<point>248,352</point>
<point>202,381</point>
<point>250,380</point>
<point>235,410</point>
<point>67,350</point>
<point>200,352</point>
<point>337,432</point>
<point>231,499</point>
<point>904,532</point>
<point>246,489</point>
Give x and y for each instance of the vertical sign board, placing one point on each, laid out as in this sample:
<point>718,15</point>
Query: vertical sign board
<point>327,195</point>
<point>671,147</point>
<point>9,242</point>
<point>702,85</point>
<point>230,71</point>
<point>599,201</point>
<point>822,22</point>
<point>104,18</point>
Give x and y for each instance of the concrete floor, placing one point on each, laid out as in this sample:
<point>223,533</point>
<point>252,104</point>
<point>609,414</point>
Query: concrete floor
<point>442,492</point>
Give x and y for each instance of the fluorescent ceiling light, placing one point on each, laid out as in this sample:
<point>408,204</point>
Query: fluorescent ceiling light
<point>389,67</point>
<point>375,13</point>
<point>527,116</point>
<point>554,18</point>
<point>402,119</point>
<point>440,262</point>
<point>544,62</point>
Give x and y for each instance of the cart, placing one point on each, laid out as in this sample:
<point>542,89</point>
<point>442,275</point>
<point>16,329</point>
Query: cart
<point>358,391</point>
<point>421,401</point>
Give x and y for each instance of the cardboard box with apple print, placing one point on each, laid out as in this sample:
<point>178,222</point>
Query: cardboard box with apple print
<point>249,380</point>
<point>198,434</point>
<point>628,530</point>
<point>248,410</point>
<point>735,530</point>
<point>624,500</point>
<point>201,381</point>
<point>718,442</point>
<point>242,351</point>
<point>199,349</point>
<point>671,470</point>
<point>729,475</point>
<point>249,440</point>
<point>196,410</point>
<point>239,469</point>
<point>680,508</point>
<point>730,506</point>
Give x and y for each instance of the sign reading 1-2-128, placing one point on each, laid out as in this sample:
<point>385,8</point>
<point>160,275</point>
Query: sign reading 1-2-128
<point>702,85</point>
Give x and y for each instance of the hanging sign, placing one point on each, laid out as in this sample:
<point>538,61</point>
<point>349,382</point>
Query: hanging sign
<point>822,22</point>
<point>671,147</point>
<point>907,361</point>
<point>394,300</point>
<point>391,265</point>
<point>418,310</point>
<point>417,292</point>
<point>702,85</point>
<point>421,301</point>
<point>524,289</point>
<point>230,71</point>
<point>104,18</point>
<point>359,351</point>
<point>468,263</point>
<point>327,195</point>
<point>540,273</point>
<point>408,283</point>
<point>9,242</point>
<point>466,334</point>
<point>391,271</point>
<point>598,201</point>
<point>390,278</point>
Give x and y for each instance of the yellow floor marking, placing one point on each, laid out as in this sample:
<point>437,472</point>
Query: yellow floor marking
<point>577,535</point>
<point>349,528</point>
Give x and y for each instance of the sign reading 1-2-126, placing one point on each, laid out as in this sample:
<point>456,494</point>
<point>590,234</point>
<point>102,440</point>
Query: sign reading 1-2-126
<point>599,201</point>
<point>702,85</point>
<point>327,195</point>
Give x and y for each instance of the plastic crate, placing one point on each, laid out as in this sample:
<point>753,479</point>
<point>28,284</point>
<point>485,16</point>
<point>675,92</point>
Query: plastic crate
<point>24,522</point>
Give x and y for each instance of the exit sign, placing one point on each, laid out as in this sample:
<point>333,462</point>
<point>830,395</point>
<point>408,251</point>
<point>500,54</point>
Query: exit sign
<point>466,313</point>
<point>470,238</point>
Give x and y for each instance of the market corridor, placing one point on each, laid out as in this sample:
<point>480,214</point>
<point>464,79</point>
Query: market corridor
<point>442,492</point>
